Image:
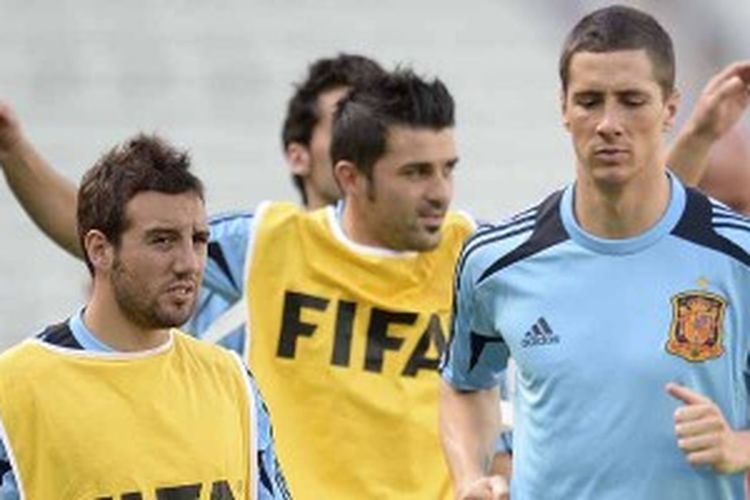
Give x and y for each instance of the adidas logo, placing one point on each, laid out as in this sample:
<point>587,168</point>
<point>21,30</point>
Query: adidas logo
<point>539,334</point>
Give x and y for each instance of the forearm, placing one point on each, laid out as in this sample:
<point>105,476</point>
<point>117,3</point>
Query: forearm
<point>719,108</point>
<point>469,425</point>
<point>688,156</point>
<point>46,196</point>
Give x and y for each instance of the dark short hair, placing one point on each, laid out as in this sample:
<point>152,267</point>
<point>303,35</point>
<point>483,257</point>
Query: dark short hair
<point>399,98</point>
<point>142,163</point>
<point>618,28</point>
<point>323,75</point>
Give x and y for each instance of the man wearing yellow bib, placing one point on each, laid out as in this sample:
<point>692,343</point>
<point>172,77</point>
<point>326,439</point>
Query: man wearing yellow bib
<point>114,402</point>
<point>347,311</point>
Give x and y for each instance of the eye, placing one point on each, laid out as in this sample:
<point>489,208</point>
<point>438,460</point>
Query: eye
<point>416,171</point>
<point>633,99</point>
<point>587,100</point>
<point>587,103</point>
<point>634,102</point>
<point>200,239</point>
<point>162,241</point>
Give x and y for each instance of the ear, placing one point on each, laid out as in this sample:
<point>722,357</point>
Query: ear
<point>670,112</point>
<point>563,109</point>
<point>347,175</point>
<point>99,250</point>
<point>298,158</point>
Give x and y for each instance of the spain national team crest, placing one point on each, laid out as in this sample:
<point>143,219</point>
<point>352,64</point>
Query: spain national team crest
<point>696,333</point>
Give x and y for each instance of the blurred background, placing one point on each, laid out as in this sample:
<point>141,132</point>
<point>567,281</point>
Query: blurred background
<point>214,77</point>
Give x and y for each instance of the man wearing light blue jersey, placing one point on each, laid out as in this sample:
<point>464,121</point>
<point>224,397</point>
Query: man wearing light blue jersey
<point>624,300</point>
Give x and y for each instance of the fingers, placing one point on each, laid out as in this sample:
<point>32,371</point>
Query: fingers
<point>702,432</point>
<point>487,488</point>
<point>732,86</point>
<point>499,488</point>
<point>710,456</point>
<point>740,69</point>
<point>687,396</point>
<point>699,443</point>
<point>687,428</point>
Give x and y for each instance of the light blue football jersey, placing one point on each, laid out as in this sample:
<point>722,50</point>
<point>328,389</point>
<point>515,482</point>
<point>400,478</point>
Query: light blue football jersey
<point>597,327</point>
<point>219,316</point>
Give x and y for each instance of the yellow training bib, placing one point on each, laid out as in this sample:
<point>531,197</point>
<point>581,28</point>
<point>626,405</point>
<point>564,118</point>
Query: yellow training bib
<point>171,423</point>
<point>345,345</point>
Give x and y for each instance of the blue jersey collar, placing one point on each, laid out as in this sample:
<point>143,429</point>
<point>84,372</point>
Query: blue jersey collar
<point>84,336</point>
<point>625,245</point>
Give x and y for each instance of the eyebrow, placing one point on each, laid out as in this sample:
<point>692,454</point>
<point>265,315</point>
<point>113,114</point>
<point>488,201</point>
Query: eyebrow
<point>420,164</point>
<point>161,229</point>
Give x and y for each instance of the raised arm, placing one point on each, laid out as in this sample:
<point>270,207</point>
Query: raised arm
<point>48,198</point>
<point>469,426</point>
<point>721,104</point>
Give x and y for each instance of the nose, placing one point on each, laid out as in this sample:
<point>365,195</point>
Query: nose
<point>440,190</point>
<point>188,259</point>
<point>609,124</point>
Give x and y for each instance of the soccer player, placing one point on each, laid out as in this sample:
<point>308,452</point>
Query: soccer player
<point>623,300</point>
<point>115,402</point>
<point>348,306</point>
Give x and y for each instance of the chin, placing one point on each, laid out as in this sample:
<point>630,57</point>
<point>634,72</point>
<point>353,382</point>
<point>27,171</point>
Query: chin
<point>611,176</point>
<point>429,241</point>
<point>175,316</point>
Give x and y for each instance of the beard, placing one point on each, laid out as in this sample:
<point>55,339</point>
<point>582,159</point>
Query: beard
<point>141,304</point>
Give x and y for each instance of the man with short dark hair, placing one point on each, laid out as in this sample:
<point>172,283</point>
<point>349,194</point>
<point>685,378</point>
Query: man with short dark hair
<point>623,300</point>
<point>306,133</point>
<point>115,401</point>
<point>349,303</point>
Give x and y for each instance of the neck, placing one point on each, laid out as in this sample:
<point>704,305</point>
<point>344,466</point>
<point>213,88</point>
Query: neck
<point>316,201</point>
<point>104,318</point>
<point>622,211</point>
<point>355,224</point>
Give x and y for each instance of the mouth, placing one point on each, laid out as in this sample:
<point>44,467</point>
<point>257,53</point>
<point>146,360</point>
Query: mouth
<point>181,292</point>
<point>432,220</point>
<point>611,154</point>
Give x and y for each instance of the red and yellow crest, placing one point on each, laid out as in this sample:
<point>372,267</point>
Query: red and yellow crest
<point>696,333</point>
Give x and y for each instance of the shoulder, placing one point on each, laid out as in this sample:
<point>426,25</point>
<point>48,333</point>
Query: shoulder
<point>207,354</point>
<point>711,224</point>
<point>498,245</point>
<point>282,212</point>
<point>27,363</point>
<point>230,223</point>
<point>11,358</point>
<point>459,223</point>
